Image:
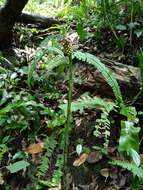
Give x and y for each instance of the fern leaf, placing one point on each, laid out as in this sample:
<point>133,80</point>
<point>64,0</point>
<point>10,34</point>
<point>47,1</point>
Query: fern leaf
<point>40,53</point>
<point>91,59</point>
<point>55,51</point>
<point>50,144</point>
<point>89,102</point>
<point>56,178</point>
<point>140,113</point>
<point>55,62</point>
<point>136,170</point>
<point>32,67</point>
<point>10,107</point>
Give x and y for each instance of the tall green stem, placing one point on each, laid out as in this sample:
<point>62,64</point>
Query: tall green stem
<point>68,121</point>
<point>131,28</point>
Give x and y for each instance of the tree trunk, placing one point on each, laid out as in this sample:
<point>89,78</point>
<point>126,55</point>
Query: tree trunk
<point>37,21</point>
<point>8,16</point>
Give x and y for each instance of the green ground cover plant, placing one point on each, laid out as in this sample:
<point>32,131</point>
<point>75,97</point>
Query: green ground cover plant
<point>53,124</point>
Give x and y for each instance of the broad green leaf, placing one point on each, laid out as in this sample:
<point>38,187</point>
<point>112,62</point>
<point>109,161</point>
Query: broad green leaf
<point>4,97</point>
<point>121,27</point>
<point>129,138</point>
<point>17,166</point>
<point>79,149</point>
<point>133,24</point>
<point>135,156</point>
<point>13,76</point>
<point>130,112</point>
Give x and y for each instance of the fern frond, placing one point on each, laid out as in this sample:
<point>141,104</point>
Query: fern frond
<point>89,102</point>
<point>140,113</point>
<point>102,126</point>
<point>58,173</point>
<point>106,73</point>
<point>10,107</point>
<point>32,67</point>
<point>136,170</point>
<point>3,150</point>
<point>59,59</point>
<point>50,144</point>
<point>55,62</point>
<point>55,51</point>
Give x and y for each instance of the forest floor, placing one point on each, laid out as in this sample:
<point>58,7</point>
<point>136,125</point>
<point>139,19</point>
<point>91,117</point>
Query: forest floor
<point>90,170</point>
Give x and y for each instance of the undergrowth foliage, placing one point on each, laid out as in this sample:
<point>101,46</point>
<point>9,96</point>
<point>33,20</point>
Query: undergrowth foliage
<point>50,145</point>
<point>102,125</point>
<point>85,57</point>
<point>27,106</point>
<point>58,173</point>
<point>56,61</point>
<point>90,59</point>
<point>33,109</point>
<point>137,171</point>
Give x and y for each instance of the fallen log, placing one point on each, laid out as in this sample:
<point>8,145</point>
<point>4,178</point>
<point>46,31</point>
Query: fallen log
<point>128,78</point>
<point>37,21</point>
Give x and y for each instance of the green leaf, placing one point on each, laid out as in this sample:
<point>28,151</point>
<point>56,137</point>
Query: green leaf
<point>130,112</point>
<point>3,150</point>
<point>17,166</point>
<point>140,113</point>
<point>106,73</point>
<point>10,107</point>
<point>89,102</point>
<point>137,171</point>
<point>121,27</point>
<point>135,156</point>
<point>40,53</point>
<point>129,138</point>
<point>138,33</point>
<point>13,76</point>
<point>79,149</point>
<point>81,31</point>
<point>133,25</point>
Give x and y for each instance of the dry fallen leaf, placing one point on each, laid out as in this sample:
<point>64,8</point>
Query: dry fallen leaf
<point>35,148</point>
<point>105,172</point>
<point>1,179</point>
<point>94,157</point>
<point>80,160</point>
